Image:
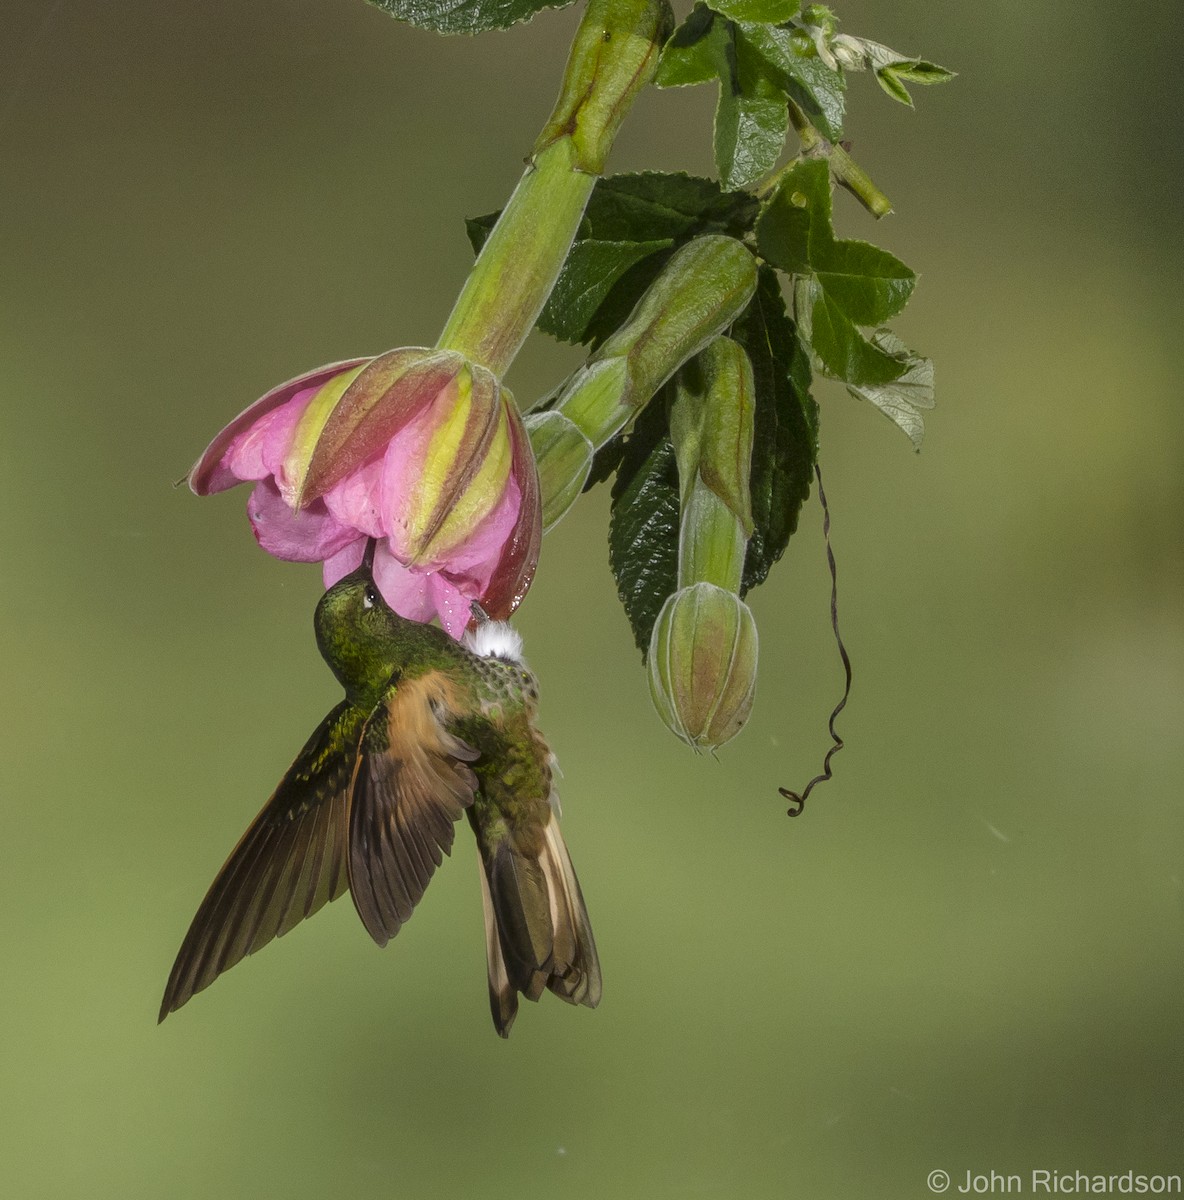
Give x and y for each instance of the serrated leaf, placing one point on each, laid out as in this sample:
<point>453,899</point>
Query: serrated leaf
<point>842,350</point>
<point>775,12</point>
<point>652,205</point>
<point>785,442</point>
<point>818,89</point>
<point>591,270</point>
<point>751,118</point>
<point>643,525</point>
<point>465,16</point>
<point>868,283</point>
<point>689,57</point>
<point>902,400</point>
<point>848,282</point>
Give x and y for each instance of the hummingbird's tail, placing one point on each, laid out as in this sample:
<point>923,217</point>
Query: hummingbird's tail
<point>537,933</point>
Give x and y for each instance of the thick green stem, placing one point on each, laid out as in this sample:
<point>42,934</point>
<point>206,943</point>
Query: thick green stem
<point>614,55</point>
<point>521,260</point>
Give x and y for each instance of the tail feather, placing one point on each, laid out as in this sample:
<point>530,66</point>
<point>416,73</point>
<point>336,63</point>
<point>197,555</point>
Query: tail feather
<point>537,932</point>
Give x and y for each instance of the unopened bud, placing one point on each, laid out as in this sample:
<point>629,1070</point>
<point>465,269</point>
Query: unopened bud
<point>614,55</point>
<point>702,664</point>
<point>564,458</point>
<point>704,287</point>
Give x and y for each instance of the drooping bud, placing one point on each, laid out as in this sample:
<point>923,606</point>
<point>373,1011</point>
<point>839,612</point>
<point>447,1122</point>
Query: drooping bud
<point>703,649</point>
<point>564,457</point>
<point>702,664</point>
<point>704,287</point>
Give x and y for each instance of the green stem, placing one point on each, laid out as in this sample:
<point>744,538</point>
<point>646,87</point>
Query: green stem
<point>614,55</point>
<point>520,261</point>
<point>846,171</point>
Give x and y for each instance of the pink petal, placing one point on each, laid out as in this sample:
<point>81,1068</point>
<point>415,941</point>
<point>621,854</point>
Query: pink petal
<point>260,449</point>
<point>348,558</point>
<point>355,500</point>
<point>453,604</point>
<point>209,474</point>
<point>309,535</point>
<point>519,556</point>
<point>477,557</point>
<point>407,592</point>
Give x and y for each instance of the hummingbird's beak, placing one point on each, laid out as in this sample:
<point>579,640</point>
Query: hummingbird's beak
<point>368,557</point>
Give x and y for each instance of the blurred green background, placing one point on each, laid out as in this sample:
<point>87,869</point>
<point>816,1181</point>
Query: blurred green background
<point>966,956</point>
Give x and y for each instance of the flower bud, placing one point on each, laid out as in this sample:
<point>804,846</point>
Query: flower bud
<point>614,55</point>
<point>703,649</point>
<point>563,456</point>
<point>704,287</point>
<point>702,664</point>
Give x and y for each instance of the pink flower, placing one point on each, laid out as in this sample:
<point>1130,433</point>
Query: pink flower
<point>419,449</point>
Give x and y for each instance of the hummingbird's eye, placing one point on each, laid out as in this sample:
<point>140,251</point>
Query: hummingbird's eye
<point>369,597</point>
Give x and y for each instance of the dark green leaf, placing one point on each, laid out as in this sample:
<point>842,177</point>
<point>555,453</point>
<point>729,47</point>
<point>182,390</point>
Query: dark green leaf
<point>845,283</point>
<point>465,16</point>
<point>643,527</point>
<point>869,284</point>
<point>689,57</point>
<point>751,118</point>
<point>785,442</point>
<point>652,205</point>
<point>587,278</point>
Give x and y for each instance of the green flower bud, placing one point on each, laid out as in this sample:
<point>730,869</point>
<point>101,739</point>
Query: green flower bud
<point>702,664</point>
<point>564,458</point>
<point>704,287</point>
<point>614,55</point>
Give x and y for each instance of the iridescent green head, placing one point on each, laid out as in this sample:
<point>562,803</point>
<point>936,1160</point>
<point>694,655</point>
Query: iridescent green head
<point>363,639</point>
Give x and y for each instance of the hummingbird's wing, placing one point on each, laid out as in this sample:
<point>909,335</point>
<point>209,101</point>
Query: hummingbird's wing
<point>289,863</point>
<point>410,787</point>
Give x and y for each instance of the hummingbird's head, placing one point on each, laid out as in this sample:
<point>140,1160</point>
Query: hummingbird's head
<point>360,636</point>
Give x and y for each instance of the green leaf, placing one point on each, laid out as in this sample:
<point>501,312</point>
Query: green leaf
<point>843,283</point>
<point>776,12</point>
<point>841,349</point>
<point>689,57</point>
<point>588,276</point>
<point>643,525</point>
<point>465,16</point>
<point>890,82</point>
<point>751,118</point>
<point>918,70</point>
<point>869,284</point>
<point>818,89</point>
<point>653,205</point>
<point>902,400</point>
<point>785,442</point>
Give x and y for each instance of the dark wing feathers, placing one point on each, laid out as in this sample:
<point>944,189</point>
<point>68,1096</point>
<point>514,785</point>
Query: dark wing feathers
<point>411,786</point>
<point>289,863</point>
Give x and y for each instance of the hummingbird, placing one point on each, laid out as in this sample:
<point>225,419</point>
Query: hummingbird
<point>430,730</point>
